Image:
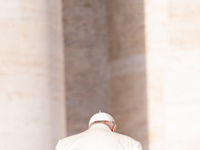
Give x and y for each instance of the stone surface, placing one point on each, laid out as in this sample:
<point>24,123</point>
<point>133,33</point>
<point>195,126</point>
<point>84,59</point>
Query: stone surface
<point>128,68</point>
<point>173,55</point>
<point>31,75</point>
<point>86,53</point>
<point>126,27</point>
<point>138,60</point>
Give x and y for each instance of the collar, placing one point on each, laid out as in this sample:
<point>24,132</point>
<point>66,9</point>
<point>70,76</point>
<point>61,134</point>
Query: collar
<point>100,126</point>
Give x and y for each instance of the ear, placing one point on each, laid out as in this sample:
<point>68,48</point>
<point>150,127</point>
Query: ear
<point>114,128</point>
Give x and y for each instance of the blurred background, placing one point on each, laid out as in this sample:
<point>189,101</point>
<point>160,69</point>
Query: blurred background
<point>63,61</point>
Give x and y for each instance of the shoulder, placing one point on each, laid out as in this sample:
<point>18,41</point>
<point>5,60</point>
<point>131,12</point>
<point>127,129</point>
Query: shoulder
<point>125,137</point>
<point>67,141</point>
<point>133,144</point>
<point>138,146</point>
<point>71,138</point>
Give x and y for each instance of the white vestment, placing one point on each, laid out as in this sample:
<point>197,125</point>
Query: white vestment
<point>98,137</point>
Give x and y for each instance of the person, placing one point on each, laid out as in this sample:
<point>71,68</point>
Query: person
<point>100,135</point>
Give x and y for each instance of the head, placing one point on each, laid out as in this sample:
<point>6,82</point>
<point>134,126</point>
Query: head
<point>103,118</point>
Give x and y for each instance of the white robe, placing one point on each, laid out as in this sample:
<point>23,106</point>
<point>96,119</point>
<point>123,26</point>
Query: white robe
<point>98,137</point>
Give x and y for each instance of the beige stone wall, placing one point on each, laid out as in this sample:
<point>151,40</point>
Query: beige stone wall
<point>173,54</point>
<point>86,54</point>
<point>31,75</point>
<point>182,82</point>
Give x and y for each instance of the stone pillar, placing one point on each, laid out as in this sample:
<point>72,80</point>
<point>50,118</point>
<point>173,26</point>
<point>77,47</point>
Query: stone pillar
<point>86,53</point>
<point>173,58</point>
<point>128,67</point>
<point>31,75</point>
<point>156,21</point>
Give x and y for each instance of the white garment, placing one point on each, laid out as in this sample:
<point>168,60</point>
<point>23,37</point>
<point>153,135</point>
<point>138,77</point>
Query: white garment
<point>98,137</point>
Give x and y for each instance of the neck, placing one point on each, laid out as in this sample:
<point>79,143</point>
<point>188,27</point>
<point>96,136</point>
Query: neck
<point>100,125</point>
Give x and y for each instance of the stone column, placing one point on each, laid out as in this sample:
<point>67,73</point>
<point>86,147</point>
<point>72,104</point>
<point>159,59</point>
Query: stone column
<point>86,53</point>
<point>173,58</point>
<point>156,21</point>
<point>128,67</point>
<point>31,75</point>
